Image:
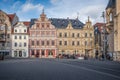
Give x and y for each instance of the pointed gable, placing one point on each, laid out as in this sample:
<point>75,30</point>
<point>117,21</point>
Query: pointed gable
<point>69,25</point>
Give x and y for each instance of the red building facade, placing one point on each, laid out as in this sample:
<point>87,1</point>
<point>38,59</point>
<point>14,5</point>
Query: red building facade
<point>42,39</point>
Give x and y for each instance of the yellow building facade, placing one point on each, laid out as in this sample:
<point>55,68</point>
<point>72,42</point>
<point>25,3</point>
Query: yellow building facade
<point>75,39</point>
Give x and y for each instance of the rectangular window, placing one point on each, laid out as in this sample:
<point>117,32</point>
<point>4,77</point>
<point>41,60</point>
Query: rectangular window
<point>20,37</point>
<point>65,43</point>
<point>65,35</point>
<point>73,43</point>
<point>78,35</point>
<point>24,30</point>
<point>15,37</point>
<point>15,44</point>
<point>24,37</point>
<point>42,43</point>
<point>32,43</point>
<point>37,43</point>
<point>47,42</point>
<point>53,43</point>
<point>25,44</point>
<point>90,34</point>
<point>73,35</point>
<point>60,42</point>
<point>78,43</point>
<point>60,34</point>
<point>20,44</point>
<point>15,30</point>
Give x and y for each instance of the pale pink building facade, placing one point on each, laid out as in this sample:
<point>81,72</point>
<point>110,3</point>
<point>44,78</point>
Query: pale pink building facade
<point>42,39</point>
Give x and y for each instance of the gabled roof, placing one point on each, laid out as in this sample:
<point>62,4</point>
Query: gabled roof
<point>111,4</point>
<point>63,23</point>
<point>99,25</point>
<point>11,17</point>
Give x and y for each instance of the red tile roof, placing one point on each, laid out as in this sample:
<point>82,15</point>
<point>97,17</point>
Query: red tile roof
<point>99,25</point>
<point>27,23</point>
<point>11,16</point>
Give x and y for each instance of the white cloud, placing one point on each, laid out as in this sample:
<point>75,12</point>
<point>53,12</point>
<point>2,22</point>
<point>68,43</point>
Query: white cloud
<point>29,10</point>
<point>17,3</point>
<point>29,7</point>
<point>70,8</point>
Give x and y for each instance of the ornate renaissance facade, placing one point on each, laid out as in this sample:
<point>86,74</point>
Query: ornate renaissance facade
<point>42,38</point>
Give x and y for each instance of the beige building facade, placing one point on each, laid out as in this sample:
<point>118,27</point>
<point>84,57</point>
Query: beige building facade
<point>113,25</point>
<point>74,37</point>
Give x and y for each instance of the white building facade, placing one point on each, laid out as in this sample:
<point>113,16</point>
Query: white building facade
<point>20,40</point>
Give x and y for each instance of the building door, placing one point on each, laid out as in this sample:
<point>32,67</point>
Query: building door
<point>43,52</point>
<point>50,53</point>
<point>37,54</point>
<point>20,53</point>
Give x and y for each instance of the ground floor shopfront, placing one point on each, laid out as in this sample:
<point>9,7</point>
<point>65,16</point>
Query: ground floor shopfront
<point>43,53</point>
<point>21,53</point>
<point>80,52</point>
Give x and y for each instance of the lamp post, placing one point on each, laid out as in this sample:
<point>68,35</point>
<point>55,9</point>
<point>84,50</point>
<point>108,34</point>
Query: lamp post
<point>104,37</point>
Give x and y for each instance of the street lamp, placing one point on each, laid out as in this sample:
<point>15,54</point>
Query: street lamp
<point>104,36</point>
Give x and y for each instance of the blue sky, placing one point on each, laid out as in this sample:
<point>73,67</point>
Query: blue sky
<point>27,9</point>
